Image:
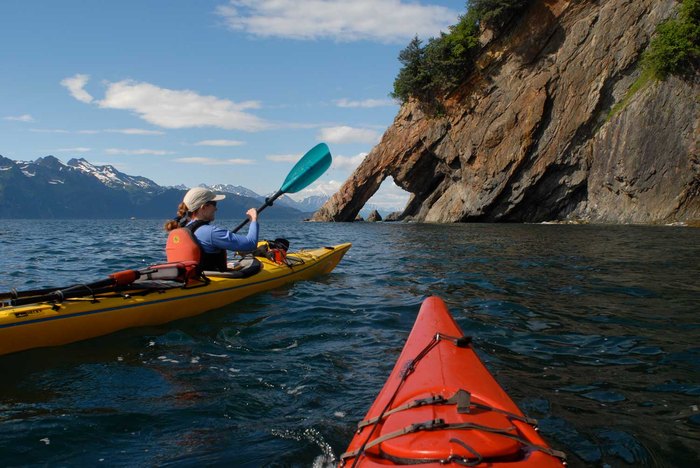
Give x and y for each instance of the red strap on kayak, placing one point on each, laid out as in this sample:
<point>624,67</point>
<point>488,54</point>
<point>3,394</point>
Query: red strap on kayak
<point>458,341</point>
<point>440,424</point>
<point>461,398</point>
<point>408,370</point>
<point>433,424</point>
<point>279,255</point>
<point>463,403</point>
<point>122,278</point>
<point>176,271</point>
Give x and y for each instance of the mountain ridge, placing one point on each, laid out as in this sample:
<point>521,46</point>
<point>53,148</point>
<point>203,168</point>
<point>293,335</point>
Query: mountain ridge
<point>48,188</point>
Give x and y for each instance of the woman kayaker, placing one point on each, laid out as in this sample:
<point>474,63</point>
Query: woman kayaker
<point>197,210</point>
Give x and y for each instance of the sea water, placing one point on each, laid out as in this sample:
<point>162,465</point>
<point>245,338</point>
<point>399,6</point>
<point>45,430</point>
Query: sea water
<point>593,330</point>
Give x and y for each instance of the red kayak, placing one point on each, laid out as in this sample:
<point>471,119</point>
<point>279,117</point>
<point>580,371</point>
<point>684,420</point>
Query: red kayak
<point>441,406</point>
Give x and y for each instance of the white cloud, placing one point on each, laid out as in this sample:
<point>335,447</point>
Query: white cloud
<point>124,131</point>
<point>365,103</point>
<point>347,163</point>
<point>170,108</point>
<point>390,196</point>
<point>76,86</point>
<point>320,188</point>
<point>283,157</point>
<point>215,162</point>
<point>48,130</point>
<point>134,131</point>
<point>79,149</point>
<point>219,143</point>
<point>345,134</point>
<point>137,151</point>
<point>377,20</point>
<point>20,118</point>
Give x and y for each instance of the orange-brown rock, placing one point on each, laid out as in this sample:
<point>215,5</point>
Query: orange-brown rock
<point>530,135</point>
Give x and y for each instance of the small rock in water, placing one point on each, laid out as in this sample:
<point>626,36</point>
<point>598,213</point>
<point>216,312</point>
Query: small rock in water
<point>374,216</point>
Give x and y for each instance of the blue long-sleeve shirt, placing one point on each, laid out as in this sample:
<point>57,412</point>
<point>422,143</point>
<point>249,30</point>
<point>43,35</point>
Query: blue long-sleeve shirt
<point>214,239</point>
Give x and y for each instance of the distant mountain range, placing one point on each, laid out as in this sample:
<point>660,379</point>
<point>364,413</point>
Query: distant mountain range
<point>47,188</point>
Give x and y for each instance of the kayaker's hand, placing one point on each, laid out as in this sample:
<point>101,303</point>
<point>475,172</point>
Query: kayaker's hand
<point>252,214</point>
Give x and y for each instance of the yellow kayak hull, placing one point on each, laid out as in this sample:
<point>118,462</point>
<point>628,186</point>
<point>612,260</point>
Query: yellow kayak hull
<point>52,324</point>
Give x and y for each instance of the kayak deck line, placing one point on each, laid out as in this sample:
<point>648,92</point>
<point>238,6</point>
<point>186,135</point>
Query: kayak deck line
<point>441,406</point>
<point>52,323</point>
<point>154,290</point>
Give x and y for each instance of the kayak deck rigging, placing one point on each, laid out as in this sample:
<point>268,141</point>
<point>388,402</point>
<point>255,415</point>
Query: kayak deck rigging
<point>441,406</point>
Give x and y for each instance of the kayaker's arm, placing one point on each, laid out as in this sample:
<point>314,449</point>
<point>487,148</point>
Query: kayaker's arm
<point>225,239</point>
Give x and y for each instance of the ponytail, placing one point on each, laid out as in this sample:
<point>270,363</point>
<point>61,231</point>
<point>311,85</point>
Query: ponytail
<point>178,221</point>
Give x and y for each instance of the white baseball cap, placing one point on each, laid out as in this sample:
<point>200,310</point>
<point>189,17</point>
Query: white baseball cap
<point>196,198</point>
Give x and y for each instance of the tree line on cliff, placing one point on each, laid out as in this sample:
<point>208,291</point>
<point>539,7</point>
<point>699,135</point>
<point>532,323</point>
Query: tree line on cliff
<point>430,71</point>
<point>675,48</point>
<point>441,64</point>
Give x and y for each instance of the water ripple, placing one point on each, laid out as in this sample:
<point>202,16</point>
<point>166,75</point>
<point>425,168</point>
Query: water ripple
<point>591,329</point>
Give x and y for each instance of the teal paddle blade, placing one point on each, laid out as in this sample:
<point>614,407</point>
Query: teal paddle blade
<point>309,168</point>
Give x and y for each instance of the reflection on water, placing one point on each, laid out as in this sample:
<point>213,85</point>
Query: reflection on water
<point>593,330</point>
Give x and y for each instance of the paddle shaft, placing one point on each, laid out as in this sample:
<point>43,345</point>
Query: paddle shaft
<point>55,297</point>
<point>37,295</point>
<point>309,168</point>
<point>49,291</point>
<point>79,290</point>
<point>268,202</point>
<point>33,292</point>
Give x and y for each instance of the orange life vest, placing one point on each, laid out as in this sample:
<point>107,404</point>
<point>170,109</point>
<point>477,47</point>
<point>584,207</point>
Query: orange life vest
<point>182,246</point>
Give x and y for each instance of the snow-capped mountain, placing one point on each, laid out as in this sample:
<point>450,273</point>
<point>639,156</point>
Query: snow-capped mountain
<point>235,189</point>
<point>47,188</point>
<point>107,175</point>
<point>313,202</point>
<point>307,205</point>
<point>111,177</point>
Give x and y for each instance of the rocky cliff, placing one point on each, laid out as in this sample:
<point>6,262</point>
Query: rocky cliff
<point>549,127</point>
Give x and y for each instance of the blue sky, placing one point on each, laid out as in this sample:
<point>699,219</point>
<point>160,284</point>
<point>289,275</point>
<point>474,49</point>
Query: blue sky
<point>190,92</point>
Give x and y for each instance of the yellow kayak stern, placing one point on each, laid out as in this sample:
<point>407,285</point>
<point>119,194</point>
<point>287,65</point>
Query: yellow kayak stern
<point>52,324</point>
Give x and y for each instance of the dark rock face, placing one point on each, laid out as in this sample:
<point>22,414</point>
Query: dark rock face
<point>393,216</point>
<point>529,136</point>
<point>374,216</point>
<point>638,172</point>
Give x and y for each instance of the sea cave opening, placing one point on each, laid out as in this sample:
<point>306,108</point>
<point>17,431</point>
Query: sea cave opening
<point>389,198</point>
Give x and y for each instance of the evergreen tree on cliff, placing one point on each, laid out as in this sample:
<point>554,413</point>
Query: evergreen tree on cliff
<point>432,70</point>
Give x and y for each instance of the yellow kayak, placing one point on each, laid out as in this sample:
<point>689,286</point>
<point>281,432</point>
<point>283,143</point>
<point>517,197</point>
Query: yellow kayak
<point>56,322</point>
